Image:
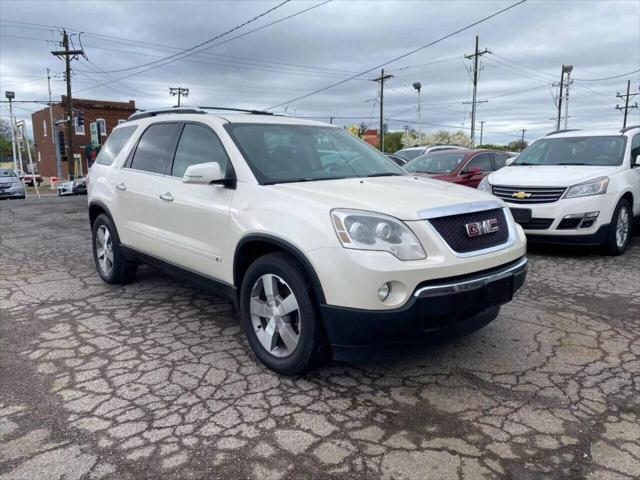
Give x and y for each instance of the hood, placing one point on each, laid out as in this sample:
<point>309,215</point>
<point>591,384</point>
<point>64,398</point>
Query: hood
<point>401,197</point>
<point>547,175</point>
<point>436,176</point>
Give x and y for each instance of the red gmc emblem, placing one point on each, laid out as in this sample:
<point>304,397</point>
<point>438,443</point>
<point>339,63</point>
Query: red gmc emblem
<point>476,229</point>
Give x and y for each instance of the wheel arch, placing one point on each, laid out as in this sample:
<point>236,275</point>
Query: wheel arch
<point>96,207</point>
<point>628,195</point>
<point>253,246</point>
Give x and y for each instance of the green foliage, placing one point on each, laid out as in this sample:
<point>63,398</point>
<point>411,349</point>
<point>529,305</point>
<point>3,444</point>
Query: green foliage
<point>493,146</point>
<point>393,142</point>
<point>517,145</point>
<point>5,148</point>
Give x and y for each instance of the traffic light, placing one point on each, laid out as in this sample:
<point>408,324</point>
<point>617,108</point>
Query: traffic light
<point>61,145</point>
<point>80,118</point>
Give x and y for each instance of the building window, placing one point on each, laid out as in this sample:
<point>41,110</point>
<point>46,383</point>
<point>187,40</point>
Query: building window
<point>102,125</point>
<point>44,127</point>
<point>79,128</point>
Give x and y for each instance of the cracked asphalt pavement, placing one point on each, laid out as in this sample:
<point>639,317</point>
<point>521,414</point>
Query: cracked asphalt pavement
<point>155,379</point>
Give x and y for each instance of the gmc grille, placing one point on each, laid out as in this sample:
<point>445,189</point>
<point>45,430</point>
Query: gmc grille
<point>453,230</point>
<point>534,194</point>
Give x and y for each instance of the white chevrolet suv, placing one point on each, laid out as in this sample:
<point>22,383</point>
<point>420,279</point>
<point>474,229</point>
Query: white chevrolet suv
<point>575,187</point>
<point>324,245</point>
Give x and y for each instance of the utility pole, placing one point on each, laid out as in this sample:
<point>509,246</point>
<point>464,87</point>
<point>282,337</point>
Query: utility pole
<point>10,96</point>
<point>477,54</point>
<point>180,92</point>
<point>626,107</point>
<point>565,69</point>
<point>68,56</point>
<point>522,140</point>
<point>54,130</point>
<point>381,79</point>
<point>481,130</point>
<point>566,100</point>
<point>418,87</point>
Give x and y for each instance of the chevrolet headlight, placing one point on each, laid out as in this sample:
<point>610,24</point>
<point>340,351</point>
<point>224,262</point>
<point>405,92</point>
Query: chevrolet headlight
<point>484,185</point>
<point>362,230</point>
<point>592,187</point>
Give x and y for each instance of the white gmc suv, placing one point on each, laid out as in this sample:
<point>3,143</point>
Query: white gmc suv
<point>575,187</point>
<point>323,243</point>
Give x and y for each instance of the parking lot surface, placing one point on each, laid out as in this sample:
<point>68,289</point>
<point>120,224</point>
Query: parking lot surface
<point>155,379</point>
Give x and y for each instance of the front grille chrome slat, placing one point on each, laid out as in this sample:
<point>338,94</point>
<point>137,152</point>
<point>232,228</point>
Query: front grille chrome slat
<point>535,194</point>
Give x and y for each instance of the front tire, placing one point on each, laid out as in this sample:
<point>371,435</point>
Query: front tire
<point>108,256</point>
<point>279,314</point>
<point>620,229</point>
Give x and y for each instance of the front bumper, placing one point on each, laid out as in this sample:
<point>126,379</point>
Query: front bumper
<point>454,305</point>
<point>15,192</point>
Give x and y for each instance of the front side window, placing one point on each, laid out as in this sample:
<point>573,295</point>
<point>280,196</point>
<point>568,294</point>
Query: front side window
<point>114,144</point>
<point>500,159</point>
<point>198,144</point>
<point>635,149</point>
<point>154,148</point>
<point>436,162</point>
<point>297,153</point>
<point>481,161</point>
<point>409,154</point>
<point>590,151</point>
<point>5,172</point>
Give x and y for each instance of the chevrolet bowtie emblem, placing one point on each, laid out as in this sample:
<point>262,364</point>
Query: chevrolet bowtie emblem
<point>520,195</point>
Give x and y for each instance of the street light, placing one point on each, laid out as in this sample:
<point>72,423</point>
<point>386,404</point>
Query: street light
<point>10,96</point>
<point>418,86</point>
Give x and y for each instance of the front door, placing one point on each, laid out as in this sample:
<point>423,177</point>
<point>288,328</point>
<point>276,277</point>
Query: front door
<point>194,218</point>
<point>482,161</point>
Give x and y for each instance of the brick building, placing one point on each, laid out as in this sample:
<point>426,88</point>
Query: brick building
<point>106,114</point>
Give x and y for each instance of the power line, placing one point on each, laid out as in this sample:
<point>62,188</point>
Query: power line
<point>605,78</point>
<point>201,44</point>
<point>299,12</point>
<point>626,107</point>
<point>460,30</point>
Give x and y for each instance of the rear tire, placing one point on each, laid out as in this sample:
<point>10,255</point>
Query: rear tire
<point>284,342</point>
<point>620,228</point>
<point>109,259</point>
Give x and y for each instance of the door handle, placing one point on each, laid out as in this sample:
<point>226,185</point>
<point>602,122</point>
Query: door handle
<point>121,186</point>
<point>167,197</point>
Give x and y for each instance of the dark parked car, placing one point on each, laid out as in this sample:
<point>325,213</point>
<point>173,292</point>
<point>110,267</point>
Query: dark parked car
<point>464,167</point>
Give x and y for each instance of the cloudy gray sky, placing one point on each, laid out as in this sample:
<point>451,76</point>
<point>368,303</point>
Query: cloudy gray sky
<point>329,43</point>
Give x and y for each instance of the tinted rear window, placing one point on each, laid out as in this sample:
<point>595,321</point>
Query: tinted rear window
<point>114,144</point>
<point>155,147</point>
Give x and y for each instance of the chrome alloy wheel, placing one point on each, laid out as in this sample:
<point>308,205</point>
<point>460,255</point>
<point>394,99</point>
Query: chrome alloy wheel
<point>622,227</point>
<point>104,250</point>
<point>275,315</point>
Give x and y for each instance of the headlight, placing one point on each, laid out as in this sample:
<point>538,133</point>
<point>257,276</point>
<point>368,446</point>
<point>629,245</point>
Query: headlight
<point>484,185</point>
<point>362,230</point>
<point>592,187</point>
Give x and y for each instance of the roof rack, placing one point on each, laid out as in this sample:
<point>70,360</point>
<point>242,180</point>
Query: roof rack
<point>243,110</point>
<point>153,113</point>
<point>562,131</point>
<point>632,127</point>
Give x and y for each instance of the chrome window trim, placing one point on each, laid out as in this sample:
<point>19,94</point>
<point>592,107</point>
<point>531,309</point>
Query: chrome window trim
<point>455,287</point>
<point>511,239</point>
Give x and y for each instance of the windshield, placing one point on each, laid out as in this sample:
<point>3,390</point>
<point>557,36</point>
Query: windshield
<point>299,153</point>
<point>7,173</point>
<point>409,154</point>
<point>593,151</point>
<point>437,162</point>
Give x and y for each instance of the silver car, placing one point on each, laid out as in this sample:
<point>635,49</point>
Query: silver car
<point>10,184</point>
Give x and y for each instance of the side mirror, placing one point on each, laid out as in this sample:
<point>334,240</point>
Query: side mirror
<point>206,173</point>
<point>635,162</point>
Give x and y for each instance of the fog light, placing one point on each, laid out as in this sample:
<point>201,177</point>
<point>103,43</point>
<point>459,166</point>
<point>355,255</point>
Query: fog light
<point>384,291</point>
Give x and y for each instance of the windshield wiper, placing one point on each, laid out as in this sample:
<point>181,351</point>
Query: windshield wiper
<point>306,179</point>
<point>573,163</point>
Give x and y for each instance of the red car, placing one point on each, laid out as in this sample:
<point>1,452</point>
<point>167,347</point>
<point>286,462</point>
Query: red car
<point>464,167</point>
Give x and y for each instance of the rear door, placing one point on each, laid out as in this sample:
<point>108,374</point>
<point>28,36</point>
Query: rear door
<point>194,218</point>
<point>137,187</point>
